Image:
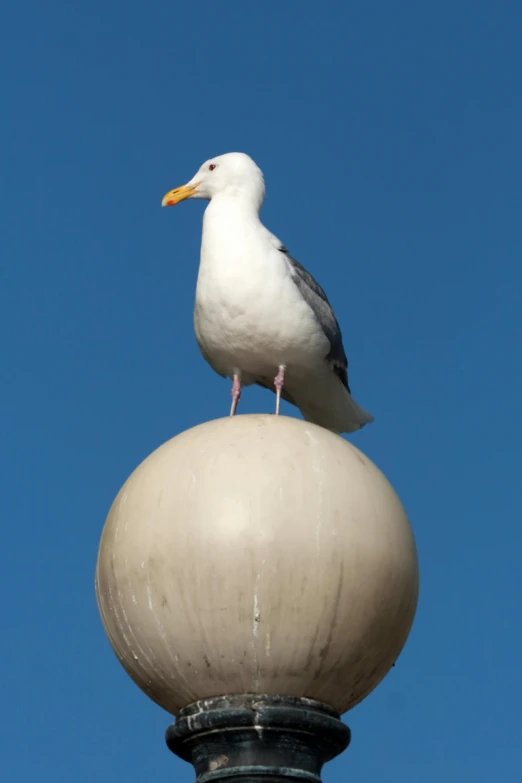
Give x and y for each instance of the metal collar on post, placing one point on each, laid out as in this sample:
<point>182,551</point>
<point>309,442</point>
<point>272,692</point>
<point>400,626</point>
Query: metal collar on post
<point>253,737</point>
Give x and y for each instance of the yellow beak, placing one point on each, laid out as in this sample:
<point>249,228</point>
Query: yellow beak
<point>178,194</point>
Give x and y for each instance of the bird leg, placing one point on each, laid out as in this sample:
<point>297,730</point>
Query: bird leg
<point>279,382</point>
<point>236,394</point>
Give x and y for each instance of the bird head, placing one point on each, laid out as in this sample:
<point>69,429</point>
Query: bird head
<point>233,174</point>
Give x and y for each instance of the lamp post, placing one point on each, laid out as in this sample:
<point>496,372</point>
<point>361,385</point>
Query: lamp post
<point>257,577</point>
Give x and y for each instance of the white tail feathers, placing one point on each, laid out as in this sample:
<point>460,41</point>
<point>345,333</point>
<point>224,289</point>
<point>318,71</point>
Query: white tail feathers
<point>345,416</point>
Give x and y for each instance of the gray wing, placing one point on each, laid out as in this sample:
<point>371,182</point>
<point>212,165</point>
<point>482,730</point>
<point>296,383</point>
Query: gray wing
<point>317,300</point>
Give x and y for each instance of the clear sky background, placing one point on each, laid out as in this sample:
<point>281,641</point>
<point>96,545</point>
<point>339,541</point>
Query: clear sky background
<point>390,138</point>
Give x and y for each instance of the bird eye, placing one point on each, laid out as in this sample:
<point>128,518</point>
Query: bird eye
<point>212,167</point>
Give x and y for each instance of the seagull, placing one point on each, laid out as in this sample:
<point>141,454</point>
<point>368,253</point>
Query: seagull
<point>259,316</point>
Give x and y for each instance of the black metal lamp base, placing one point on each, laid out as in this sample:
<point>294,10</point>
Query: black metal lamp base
<point>266,739</point>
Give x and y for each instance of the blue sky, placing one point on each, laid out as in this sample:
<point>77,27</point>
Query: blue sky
<point>389,135</point>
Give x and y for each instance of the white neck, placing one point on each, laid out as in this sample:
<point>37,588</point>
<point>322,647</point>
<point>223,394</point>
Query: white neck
<point>231,209</point>
<point>231,226</point>
<point>245,198</point>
